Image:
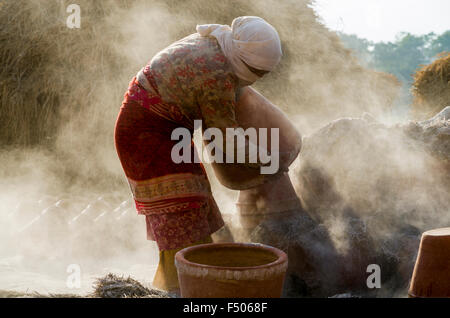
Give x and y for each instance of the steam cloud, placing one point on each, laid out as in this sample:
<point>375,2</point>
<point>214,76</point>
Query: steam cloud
<point>63,194</point>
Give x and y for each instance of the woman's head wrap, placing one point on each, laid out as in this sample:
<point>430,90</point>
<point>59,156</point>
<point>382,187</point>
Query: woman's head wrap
<point>250,39</point>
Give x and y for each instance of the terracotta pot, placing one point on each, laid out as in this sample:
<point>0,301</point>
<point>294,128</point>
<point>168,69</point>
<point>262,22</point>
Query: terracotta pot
<point>273,199</point>
<point>255,111</point>
<point>231,270</point>
<point>431,276</point>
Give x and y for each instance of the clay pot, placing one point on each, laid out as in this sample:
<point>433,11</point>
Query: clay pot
<point>270,200</point>
<point>431,276</point>
<point>255,111</point>
<point>231,270</point>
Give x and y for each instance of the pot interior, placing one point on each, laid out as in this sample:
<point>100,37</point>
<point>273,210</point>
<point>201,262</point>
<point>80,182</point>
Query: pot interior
<point>231,256</point>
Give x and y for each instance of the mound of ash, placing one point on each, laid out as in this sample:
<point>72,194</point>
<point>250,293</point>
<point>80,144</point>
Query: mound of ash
<point>368,192</point>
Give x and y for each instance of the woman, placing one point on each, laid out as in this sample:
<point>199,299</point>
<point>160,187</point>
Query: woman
<point>196,78</point>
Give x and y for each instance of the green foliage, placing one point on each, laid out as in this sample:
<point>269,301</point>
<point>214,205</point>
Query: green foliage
<point>360,47</point>
<point>440,44</point>
<point>401,58</point>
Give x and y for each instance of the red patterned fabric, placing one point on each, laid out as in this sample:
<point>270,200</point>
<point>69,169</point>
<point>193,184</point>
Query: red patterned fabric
<point>176,230</point>
<point>176,199</point>
<point>194,75</point>
<point>190,79</point>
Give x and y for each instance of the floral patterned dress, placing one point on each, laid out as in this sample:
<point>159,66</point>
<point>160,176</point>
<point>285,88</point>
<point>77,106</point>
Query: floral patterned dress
<point>195,75</point>
<point>189,80</point>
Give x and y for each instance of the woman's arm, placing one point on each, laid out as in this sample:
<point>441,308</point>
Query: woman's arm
<point>217,103</point>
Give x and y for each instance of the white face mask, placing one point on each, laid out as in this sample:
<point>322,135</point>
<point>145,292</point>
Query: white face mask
<point>249,39</point>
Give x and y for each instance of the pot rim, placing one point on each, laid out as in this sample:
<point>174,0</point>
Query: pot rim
<point>282,256</point>
<point>412,295</point>
<point>441,232</point>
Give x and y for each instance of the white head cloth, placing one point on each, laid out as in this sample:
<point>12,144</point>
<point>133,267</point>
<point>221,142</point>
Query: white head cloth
<point>250,39</point>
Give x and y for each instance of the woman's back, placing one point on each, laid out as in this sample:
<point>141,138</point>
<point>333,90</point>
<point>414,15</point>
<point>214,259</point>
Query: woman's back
<point>194,75</point>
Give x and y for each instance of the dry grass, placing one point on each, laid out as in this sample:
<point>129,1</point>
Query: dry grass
<point>110,286</point>
<point>14,294</point>
<point>431,87</point>
<point>113,286</point>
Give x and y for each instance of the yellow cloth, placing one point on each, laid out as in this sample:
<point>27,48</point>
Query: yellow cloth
<point>166,277</point>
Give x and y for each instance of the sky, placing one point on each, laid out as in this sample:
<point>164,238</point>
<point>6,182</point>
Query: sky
<point>382,20</point>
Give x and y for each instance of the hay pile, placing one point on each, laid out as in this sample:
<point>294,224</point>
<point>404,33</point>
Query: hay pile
<point>431,87</point>
<point>113,286</point>
<point>58,81</point>
<point>110,286</point>
<point>46,67</point>
<point>14,294</point>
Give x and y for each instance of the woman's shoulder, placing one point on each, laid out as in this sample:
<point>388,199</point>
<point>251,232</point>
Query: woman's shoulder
<point>193,49</point>
<point>195,40</point>
<point>194,62</point>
